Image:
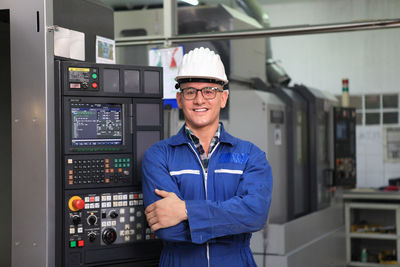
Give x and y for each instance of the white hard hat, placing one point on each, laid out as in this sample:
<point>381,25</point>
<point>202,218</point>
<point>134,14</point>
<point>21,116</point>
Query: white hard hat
<point>201,64</point>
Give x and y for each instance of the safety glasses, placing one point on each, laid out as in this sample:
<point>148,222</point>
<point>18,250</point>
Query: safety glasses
<point>208,93</point>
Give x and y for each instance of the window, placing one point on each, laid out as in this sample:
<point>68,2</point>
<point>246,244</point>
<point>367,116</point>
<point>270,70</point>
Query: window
<point>376,109</point>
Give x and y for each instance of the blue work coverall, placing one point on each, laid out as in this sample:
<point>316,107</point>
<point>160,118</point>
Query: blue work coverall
<point>223,205</point>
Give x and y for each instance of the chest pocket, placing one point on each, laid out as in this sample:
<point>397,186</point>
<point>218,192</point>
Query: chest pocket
<point>190,183</point>
<point>226,183</point>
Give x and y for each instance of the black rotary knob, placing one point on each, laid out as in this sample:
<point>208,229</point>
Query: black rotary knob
<point>113,214</point>
<point>109,236</point>
<point>92,219</point>
<point>76,219</point>
<point>92,236</point>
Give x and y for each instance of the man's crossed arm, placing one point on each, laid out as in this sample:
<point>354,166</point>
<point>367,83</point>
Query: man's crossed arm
<point>166,212</point>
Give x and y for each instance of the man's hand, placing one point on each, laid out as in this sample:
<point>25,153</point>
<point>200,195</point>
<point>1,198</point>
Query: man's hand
<point>166,212</point>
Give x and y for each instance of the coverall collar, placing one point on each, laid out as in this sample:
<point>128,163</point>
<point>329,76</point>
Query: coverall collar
<point>181,137</point>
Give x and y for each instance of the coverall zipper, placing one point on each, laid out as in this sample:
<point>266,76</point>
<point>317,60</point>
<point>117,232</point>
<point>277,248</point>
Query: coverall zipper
<point>205,186</point>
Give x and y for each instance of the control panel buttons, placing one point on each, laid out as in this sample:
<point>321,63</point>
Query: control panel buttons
<point>92,219</point>
<point>109,236</point>
<point>113,214</point>
<point>94,76</point>
<point>111,222</point>
<point>72,244</point>
<point>76,219</point>
<point>98,170</point>
<point>92,236</point>
<point>76,203</point>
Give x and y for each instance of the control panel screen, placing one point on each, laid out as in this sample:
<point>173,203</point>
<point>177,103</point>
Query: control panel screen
<point>341,131</point>
<point>96,124</point>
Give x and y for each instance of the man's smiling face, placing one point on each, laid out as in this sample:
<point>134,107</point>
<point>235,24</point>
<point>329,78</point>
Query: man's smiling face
<point>200,112</point>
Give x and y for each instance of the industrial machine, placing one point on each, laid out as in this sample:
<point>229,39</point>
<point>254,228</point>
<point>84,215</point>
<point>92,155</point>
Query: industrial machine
<point>345,147</point>
<point>108,115</point>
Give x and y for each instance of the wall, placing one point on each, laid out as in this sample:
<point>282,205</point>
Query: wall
<point>368,58</point>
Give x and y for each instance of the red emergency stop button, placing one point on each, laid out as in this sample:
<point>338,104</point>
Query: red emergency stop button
<point>76,203</point>
<point>94,85</point>
<point>79,204</point>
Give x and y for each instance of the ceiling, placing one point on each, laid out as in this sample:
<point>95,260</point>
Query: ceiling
<point>144,4</point>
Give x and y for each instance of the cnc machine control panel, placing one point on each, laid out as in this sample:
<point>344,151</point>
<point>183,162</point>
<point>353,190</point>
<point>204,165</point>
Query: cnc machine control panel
<point>345,146</point>
<point>108,116</point>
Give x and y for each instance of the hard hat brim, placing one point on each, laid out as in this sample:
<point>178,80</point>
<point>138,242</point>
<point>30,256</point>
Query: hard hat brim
<point>181,79</point>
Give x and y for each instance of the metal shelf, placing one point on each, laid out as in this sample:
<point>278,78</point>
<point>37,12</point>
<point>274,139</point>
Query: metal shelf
<point>370,264</point>
<point>386,208</point>
<point>374,236</point>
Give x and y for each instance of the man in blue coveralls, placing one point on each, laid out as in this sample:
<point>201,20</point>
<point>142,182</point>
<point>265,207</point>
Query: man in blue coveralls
<point>205,191</point>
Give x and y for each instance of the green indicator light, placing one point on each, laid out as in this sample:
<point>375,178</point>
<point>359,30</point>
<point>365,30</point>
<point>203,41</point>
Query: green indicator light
<point>94,76</point>
<point>128,159</point>
<point>72,244</point>
<point>115,160</point>
<point>128,165</point>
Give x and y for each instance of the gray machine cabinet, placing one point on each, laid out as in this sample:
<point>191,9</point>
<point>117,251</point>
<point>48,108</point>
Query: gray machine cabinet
<point>250,120</point>
<point>32,122</point>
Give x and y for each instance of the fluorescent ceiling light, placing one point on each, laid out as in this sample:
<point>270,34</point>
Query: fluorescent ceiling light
<point>191,2</point>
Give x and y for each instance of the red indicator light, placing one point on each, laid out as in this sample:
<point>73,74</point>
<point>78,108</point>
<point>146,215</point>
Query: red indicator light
<point>94,85</point>
<point>81,243</point>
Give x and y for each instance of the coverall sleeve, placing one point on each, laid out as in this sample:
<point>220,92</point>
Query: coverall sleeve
<point>156,176</point>
<point>246,212</point>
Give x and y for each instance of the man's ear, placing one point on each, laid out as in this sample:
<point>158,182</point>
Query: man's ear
<point>179,99</point>
<point>224,98</point>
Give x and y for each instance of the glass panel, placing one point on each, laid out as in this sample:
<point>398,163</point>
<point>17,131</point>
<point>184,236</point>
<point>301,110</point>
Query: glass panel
<point>356,102</point>
<point>390,117</point>
<point>372,101</point>
<point>111,80</point>
<point>393,143</point>
<point>144,140</point>
<point>151,82</point>
<point>132,81</point>
<point>390,101</point>
<point>372,118</point>
<point>148,114</point>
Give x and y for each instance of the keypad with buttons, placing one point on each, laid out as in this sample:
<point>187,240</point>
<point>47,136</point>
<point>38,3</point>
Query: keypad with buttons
<point>114,213</point>
<point>98,171</point>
